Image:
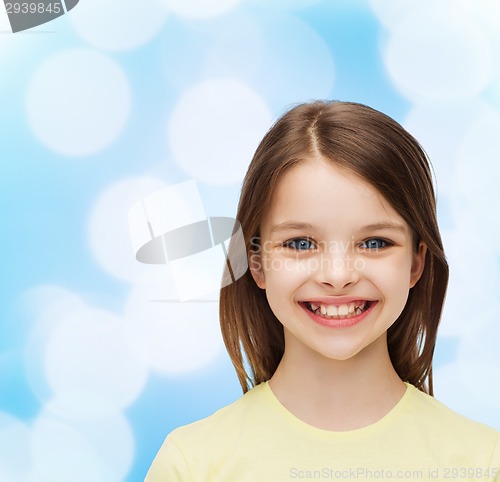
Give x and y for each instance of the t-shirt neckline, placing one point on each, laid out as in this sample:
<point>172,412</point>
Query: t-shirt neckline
<point>387,419</point>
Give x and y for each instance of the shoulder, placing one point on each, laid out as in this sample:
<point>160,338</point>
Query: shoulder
<point>445,423</point>
<point>190,450</point>
<point>225,420</point>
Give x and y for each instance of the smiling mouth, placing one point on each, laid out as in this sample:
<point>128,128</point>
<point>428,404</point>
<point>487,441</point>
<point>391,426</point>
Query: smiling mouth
<point>339,312</point>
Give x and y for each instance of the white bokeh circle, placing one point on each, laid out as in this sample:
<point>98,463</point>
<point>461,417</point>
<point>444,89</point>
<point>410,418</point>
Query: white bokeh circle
<point>449,59</point>
<point>450,388</point>
<point>487,14</point>
<point>477,175</point>
<point>233,51</point>
<point>50,303</point>
<point>48,306</point>
<point>78,102</point>
<point>472,298</point>
<point>108,227</point>
<point>215,128</point>
<point>284,4</point>
<point>296,65</point>
<point>279,55</point>
<point>469,388</point>
<point>118,24</point>
<point>15,449</point>
<point>200,8</point>
<point>473,254</point>
<point>172,338</point>
<point>392,12</point>
<point>476,179</point>
<point>480,357</point>
<point>439,127</point>
<point>99,449</point>
<point>79,406</point>
<point>90,352</point>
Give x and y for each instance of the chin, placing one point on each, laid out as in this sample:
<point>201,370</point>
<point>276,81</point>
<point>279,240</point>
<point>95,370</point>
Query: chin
<point>339,355</point>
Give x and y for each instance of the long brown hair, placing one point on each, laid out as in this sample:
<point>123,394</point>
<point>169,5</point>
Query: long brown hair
<point>374,146</point>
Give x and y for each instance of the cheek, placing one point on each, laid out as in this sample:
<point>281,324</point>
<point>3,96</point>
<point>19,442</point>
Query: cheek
<point>391,279</point>
<point>286,270</point>
<point>283,277</point>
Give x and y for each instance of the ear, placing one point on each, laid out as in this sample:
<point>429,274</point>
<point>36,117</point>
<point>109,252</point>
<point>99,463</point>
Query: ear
<point>418,264</point>
<point>255,265</point>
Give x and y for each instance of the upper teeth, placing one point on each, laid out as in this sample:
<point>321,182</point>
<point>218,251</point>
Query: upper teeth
<point>339,310</point>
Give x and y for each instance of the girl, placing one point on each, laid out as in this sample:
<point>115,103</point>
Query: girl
<point>337,317</point>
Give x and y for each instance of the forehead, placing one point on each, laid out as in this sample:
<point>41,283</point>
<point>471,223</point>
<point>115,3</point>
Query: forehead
<point>320,193</point>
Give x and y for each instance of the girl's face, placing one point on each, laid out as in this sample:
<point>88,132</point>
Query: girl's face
<point>331,243</point>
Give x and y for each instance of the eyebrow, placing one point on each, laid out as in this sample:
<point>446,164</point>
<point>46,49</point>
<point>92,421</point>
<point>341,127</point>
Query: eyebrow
<point>298,226</point>
<point>292,225</point>
<point>383,226</point>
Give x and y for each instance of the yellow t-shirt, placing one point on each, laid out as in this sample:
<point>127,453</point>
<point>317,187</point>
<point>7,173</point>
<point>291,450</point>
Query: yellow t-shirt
<point>256,439</point>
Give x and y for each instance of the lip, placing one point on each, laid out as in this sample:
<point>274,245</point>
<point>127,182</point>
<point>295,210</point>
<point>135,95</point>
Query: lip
<point>339,323</point>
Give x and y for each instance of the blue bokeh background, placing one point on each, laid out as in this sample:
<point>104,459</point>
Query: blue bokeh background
<point>113,102</point>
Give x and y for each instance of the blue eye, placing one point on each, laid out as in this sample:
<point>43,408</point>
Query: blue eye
<point>375,243</point>
<point>300,244</point>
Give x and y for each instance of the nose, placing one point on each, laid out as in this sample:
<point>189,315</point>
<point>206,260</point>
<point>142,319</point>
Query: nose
<point>337,269</point>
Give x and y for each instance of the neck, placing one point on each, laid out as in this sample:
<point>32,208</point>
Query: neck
<point>338,394</point>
